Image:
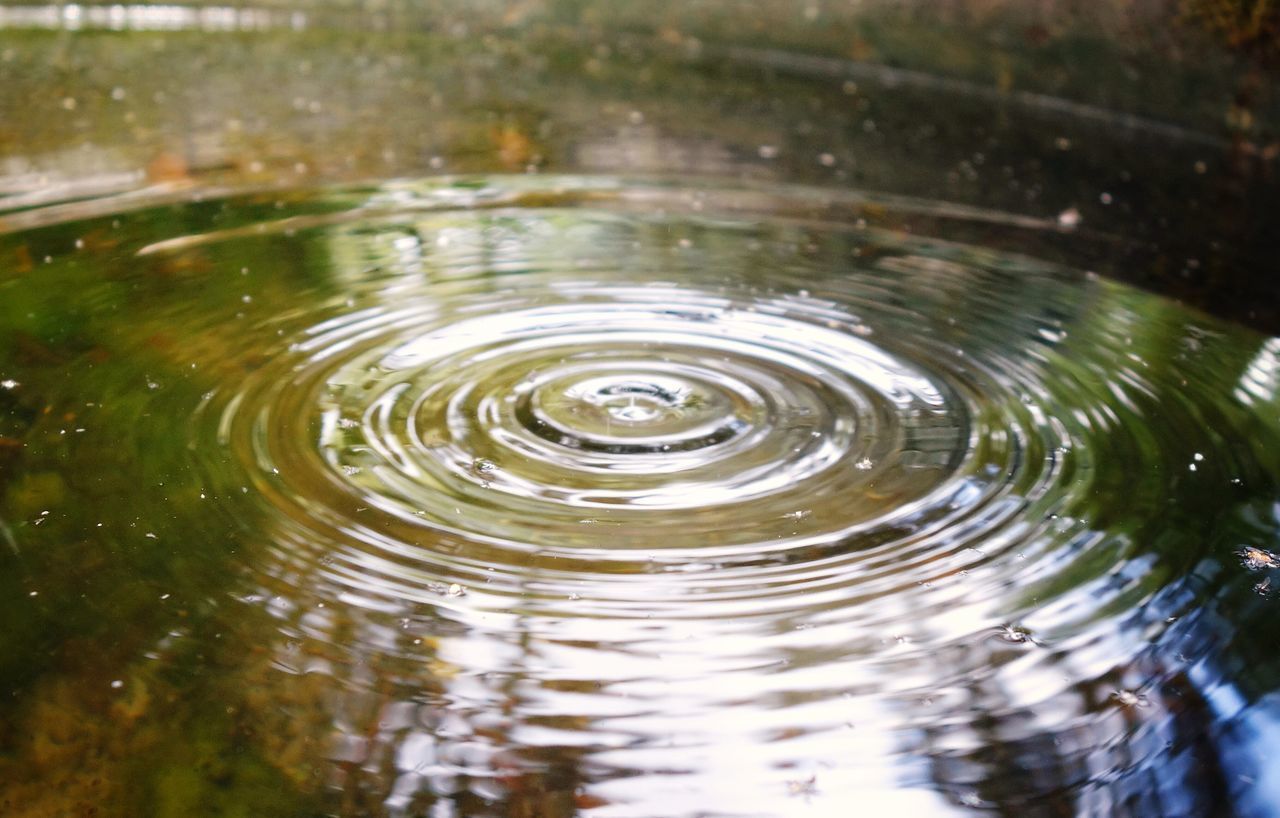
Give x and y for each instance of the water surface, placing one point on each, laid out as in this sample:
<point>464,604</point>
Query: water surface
<point>581,495</point>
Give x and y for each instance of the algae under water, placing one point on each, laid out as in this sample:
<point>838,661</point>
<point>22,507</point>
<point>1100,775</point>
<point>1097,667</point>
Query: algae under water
<point>548,495</point>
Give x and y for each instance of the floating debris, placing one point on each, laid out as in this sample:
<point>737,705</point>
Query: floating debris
<point>1256,559</point>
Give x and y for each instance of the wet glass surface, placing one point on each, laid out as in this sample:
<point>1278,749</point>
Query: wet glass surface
<point>609,455</point>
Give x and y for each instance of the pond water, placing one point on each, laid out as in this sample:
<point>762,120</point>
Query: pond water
<point>555,495</point>
<point>652,410</point>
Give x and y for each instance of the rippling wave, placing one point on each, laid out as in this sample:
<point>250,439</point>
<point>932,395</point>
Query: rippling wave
<point>688,501</point>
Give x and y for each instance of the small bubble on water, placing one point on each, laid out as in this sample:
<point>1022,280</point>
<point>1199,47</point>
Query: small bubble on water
<point>826,160</point>
<point>116,684</point>
<point>1015,634</point>
<point>1069,218</point>
<point>9,383</point>
<point>864,464</point>
<point>1105,198</point>
<point>768,151</point>
<point>456,590</point>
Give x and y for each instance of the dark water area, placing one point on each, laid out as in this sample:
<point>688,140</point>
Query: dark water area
<point>833,437</point>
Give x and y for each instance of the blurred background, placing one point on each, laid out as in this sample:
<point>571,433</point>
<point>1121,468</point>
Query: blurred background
<point>1153,122</point>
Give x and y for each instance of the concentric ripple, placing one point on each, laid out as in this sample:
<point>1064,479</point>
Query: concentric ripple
<point>643,491</point>
<point>613,419</point>
<point>648,411</point>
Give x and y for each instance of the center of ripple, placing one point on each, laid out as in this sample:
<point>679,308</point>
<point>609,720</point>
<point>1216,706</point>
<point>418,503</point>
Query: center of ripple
<point>637,410</point>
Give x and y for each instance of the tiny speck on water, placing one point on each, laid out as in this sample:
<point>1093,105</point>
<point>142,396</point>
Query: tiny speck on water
<point>457,590</point>
<point>1256,559</point>
<point>9,383</point>
<point>1015,634</point>
<point>804,787</point>
<point>1130,698</point>
<point>117,684</point>
<point>864,464</point>
<point>1069,218</point>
